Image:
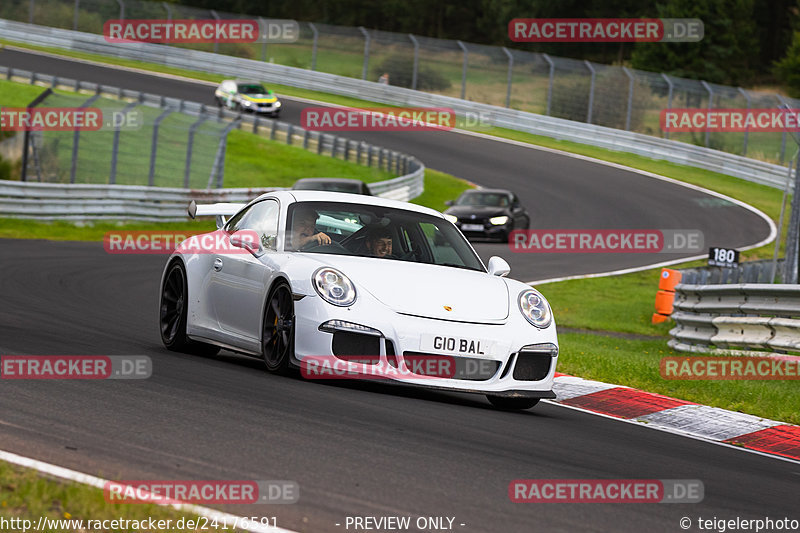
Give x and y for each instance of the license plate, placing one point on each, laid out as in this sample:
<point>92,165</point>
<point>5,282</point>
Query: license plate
<point>465,346</point>
<point>472,227</point>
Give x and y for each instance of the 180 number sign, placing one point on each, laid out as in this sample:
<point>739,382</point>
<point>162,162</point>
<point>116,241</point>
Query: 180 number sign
<point>725,257</point>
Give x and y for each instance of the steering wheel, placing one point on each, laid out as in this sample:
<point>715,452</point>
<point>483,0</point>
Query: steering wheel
<point>312,245</point>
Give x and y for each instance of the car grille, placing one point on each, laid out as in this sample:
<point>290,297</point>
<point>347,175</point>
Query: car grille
<point>466,368</point>
<point>347,343</point>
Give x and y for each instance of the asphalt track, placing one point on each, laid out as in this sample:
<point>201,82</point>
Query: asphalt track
<point>357,449</point>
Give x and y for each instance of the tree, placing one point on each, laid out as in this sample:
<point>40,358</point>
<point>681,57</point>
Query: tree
<point>728,53</point>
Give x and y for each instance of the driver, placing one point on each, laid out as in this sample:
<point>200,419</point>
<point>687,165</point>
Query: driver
<point>379,242</point>
<point>303,228</point>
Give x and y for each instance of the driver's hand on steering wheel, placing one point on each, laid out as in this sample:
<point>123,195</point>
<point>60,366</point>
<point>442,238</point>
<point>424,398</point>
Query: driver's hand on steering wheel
<point>318,239</point>
<point>321,238</point>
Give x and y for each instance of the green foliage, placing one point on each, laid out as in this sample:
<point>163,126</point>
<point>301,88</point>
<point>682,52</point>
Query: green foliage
<point>726,55</point>
<point>400,68</point>
<point>788,68</point>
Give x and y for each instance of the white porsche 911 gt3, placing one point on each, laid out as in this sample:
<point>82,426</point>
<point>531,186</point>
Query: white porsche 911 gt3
<point>372,287</point>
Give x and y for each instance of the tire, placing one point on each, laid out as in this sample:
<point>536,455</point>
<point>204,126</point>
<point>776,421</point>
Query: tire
<point>512,404</point>
<point>277,336</point>
<point>172,314</point>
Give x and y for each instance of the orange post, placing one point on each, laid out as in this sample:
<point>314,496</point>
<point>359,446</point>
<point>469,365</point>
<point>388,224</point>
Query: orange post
<point>665,297</point>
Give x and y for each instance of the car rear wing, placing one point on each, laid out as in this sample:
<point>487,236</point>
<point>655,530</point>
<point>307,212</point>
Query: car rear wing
<point>222,211</point>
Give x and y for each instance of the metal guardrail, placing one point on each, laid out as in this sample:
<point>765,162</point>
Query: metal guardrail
<point>747,318</point>
<point>80,201</point>
<point>750,272</point>
<point>677,152</point>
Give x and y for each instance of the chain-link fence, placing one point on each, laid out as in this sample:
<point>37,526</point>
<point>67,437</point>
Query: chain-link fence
<point>154,146</point>
<point>583,91</point>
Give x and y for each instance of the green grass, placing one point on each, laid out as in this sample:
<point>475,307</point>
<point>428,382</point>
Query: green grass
<point>27,495</point>
<point>636,363</point>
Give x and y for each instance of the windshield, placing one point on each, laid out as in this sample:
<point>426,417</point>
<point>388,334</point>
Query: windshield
<point>378,232</point>
<point>252,88</point>
<point>483,198</point>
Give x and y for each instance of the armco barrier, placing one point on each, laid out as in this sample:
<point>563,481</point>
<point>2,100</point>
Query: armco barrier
<point>743,318</point>
<point>653,147</point>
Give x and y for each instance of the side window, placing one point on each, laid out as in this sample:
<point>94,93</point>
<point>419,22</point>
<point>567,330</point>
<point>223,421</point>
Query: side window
<point>261,218</point>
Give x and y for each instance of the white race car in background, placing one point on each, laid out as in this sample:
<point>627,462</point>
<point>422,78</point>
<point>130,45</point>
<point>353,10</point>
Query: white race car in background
<point>314,283</point>
<point>247,96</point>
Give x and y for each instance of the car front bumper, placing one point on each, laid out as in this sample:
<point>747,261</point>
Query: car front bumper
<point>522,362</point>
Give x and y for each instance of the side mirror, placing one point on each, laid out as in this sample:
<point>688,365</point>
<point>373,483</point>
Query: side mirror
<point>247,241</point>
<point>498,266</point>
<point>448,203</point>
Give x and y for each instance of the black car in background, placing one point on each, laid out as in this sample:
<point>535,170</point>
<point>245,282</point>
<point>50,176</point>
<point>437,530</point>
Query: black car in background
<point>332,185</point>
<point>488,213</point>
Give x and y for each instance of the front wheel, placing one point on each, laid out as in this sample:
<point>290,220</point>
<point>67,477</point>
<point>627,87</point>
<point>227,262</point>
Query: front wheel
<point>277,339</point>
<point>172,314</point>
<point>512,404</point>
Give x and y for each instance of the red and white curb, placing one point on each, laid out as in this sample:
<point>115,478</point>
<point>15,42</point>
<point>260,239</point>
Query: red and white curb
<point>679,416</point>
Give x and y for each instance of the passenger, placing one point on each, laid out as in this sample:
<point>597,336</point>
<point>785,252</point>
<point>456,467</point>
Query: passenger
<point>379,242</point>
<point>303,227</point>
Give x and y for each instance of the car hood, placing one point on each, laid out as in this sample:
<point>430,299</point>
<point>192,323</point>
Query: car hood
<point>260,98</point>
<point>427,290</point>
<point>479,210</point>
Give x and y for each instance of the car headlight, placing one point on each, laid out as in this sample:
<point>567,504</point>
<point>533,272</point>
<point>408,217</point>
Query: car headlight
<point>498,221</point>
<point>334,287</point>
<point>535,308</point>
<point>451,218</point>
<point>247,103</point>
<point>277,104</point>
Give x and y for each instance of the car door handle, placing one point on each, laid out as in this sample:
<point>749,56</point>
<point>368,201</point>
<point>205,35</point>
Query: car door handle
<point>217,264</point>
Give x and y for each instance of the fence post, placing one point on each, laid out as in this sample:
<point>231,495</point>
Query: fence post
<point>189,145</point>
<point>416,61</point>
<point>786,188</point>
<point>263,24</point>
<point>710,106</point>
<point>591,91</point>
<point>314,46</point>
<point>112,178</point>
<point>510,72</point>
<point>550,81</point>
<point>365,33</point>
<point>154,146</point>
<point>783,136</point>
<point>76,137</point>
<point>30,12</point>
<point>216,18</point>
<point>464,69</point>
<point>289,134</point>
<point>747,131</point>
<point>630,98</point>
<point>218,167</point>
<point>670,86</point>
<point>168,9</point>
<point>121,9</point>
<point>75,16</point>
<point>26,138</point>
